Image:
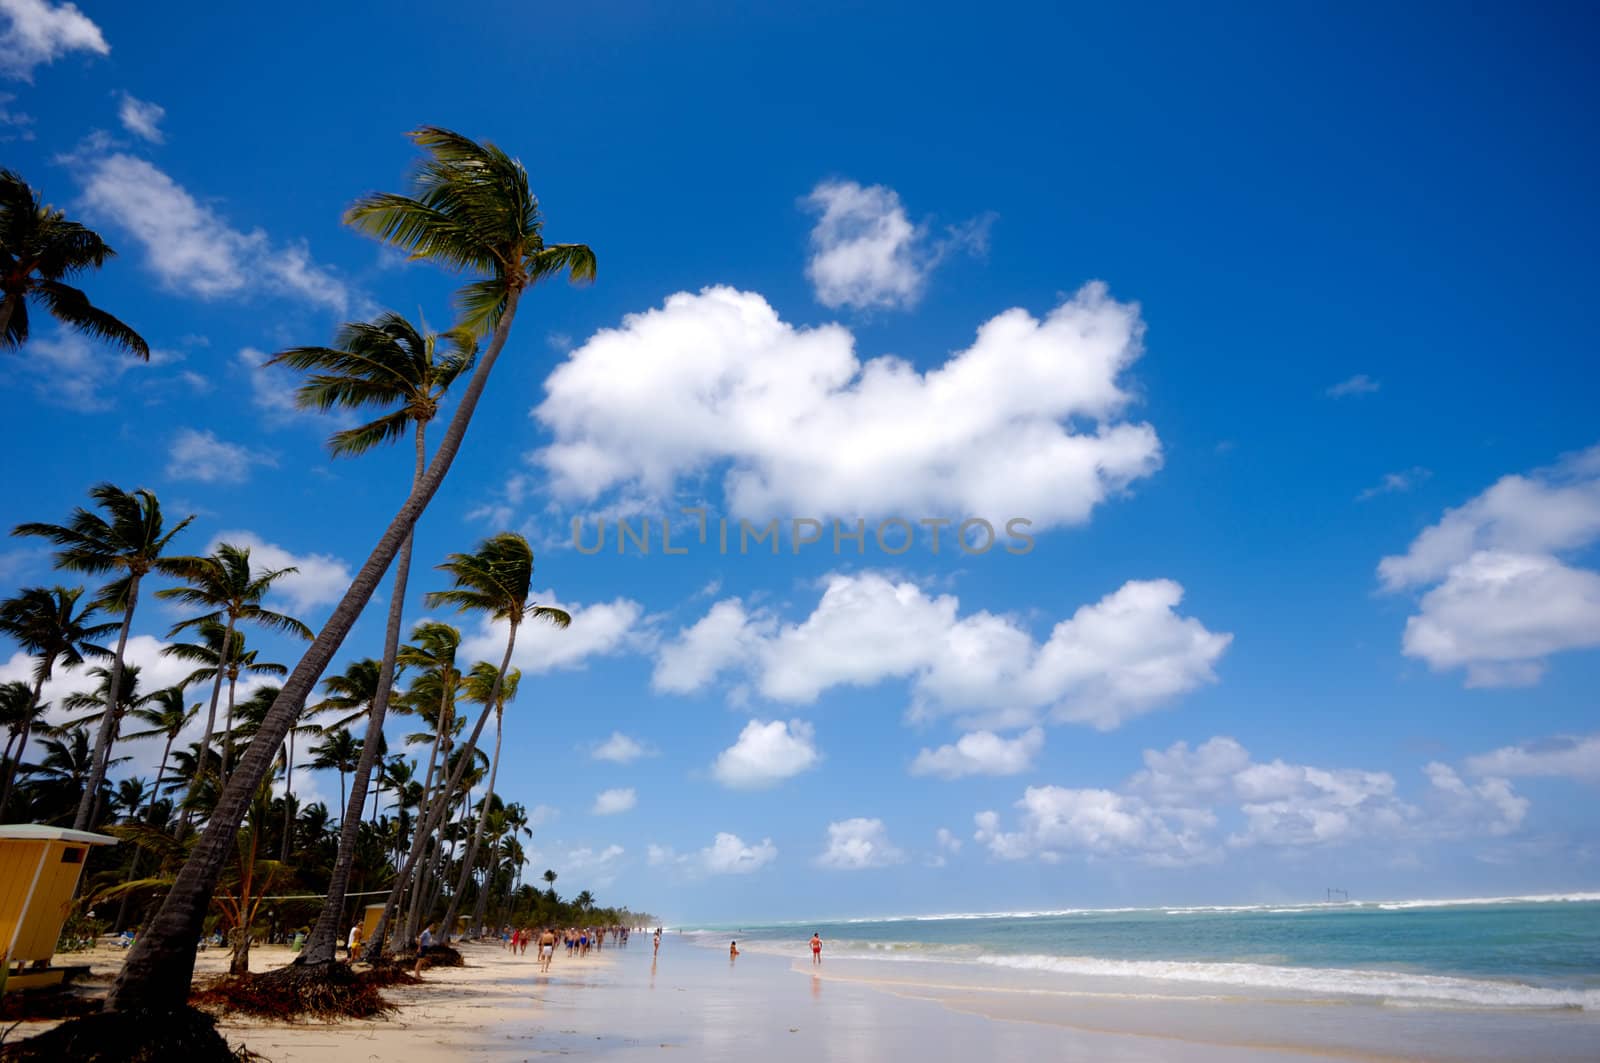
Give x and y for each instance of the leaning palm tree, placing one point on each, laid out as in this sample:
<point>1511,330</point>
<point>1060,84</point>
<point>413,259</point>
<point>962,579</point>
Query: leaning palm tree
<point>472,210</point>
<point>47,623</point>
<point>129,541</point>
<point>484,682</point>
<point>39,247</point>
<point>494,580</point>
<point>224,584</point>
<point>392,367</point>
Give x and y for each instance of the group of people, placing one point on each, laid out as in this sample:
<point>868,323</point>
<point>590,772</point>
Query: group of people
<point>576,940</point>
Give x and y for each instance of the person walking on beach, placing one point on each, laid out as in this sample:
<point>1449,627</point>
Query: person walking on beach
<point>733,952</point>
<point>657,950</point>
<point>816,950</point>
<point>547,949</point>
<point>352,943</point>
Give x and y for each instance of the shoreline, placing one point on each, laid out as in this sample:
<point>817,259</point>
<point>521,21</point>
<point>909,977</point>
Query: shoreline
<point>619,1004</point>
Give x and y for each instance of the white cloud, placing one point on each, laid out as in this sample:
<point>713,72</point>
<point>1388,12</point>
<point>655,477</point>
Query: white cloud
<point>322,579</point>
<point>1396,483</point>
<point>1022,424</point>
<point>590,866</point>
<point>610,802</point>
<point>1360,384</point>
<point>596,630</point>
<point>1501,598</point>
<point>196,455</point>
<point>1172,812</point>
<point>620,749</point>
<point>142,118</point>
<point>728,854</point>
<point>981,753</point>
<point>190,247</point>
<point>1125,655</point>
<point>19,121</point>
<point>75,372</point>
<point>38,32</point>
<point>1500,614</point>
<point>1564,756</point>
<point>766,754</point>
<point>865,251</point>
<point>858,844</point>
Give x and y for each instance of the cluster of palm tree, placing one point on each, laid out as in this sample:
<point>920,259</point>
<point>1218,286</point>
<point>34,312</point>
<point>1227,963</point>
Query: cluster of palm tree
<point>218,843</point>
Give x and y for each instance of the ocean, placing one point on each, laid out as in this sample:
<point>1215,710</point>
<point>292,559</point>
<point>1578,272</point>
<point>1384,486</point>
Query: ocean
<point>1523,953</point>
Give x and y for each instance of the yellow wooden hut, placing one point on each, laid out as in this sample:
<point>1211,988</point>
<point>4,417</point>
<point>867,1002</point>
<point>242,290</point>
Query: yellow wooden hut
<point>39,871</point>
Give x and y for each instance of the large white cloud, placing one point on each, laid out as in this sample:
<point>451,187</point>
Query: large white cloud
<point>38,32</point>
<point>728,854</point>
<point>1024,423</point>
<point>1123,656</point>
<point>766,754</point>
<point>981,753</point>
<point>858,844</point>
<point>1190,805</point>
<point>1500,598</point>
<point>190,247</point>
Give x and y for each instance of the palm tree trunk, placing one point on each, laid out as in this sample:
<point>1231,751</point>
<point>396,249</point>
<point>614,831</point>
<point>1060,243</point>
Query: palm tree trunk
<point>160,966</point>
<point>288,802</point>
<point>149,817</point>
<point>108,722</point>
<point>444,719</point>
<point>227,730</point>
<point>323,944</point>
<point>483,812</point>
<point>22,746</point>
<point>205,744</point>
<point>483,816</point>
<point>6,306</point>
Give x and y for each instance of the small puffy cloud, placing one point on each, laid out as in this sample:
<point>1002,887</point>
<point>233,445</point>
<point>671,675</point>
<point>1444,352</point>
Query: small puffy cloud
<point>190,247</point>
<point>1057,821</point>
<point>597,630</point>
<point>1123,656</point>
<point>141,118</point>
<point>981,753</point>
<point>594,866</point>
<point>610,802</point>
<point>1489,806</point>
<point>858,844</point>
<point>1564,756</point>
<point>319,579</point>
<point>37,32</point>
<point>766,754</point>
<point>621,749</point>
<point>1396,483</point>
<point>1498,596</point>
<point>1027,422</point>
<point>201,456</point>
<point>1360,384</point>
<point>70,370</point>
<point>728,854</point>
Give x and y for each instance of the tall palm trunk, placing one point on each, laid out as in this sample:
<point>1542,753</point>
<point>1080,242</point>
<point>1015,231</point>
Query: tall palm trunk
<point>444,720</point>
<point>483,816</point>
<point>160,966</point>
<point>227,728</point>
<point>323,944</point>
<point>435,815</point>
<point>288,802</point>
<point>108,723</point>
<point>205,740</point>
<point>22,745</point>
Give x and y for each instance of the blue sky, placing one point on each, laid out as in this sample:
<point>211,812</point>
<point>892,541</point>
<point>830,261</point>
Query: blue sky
<point>1275,325</point>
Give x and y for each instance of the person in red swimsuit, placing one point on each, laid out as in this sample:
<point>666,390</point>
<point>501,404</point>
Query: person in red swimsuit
<point>816,949</point>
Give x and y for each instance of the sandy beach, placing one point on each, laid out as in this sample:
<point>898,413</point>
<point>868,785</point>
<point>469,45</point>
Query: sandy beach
<point>691,1002</point>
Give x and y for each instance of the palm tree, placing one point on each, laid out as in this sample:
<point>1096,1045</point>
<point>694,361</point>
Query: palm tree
<point>340,751</point>
<point>253,711</point>
<point>39,247</point>
<point>165,714</point>
<point>47,624</point>
<point>483,683</point>
<point>494,580</point>
<point>224,584</point>
<point>100,707</point>
<point>549,877</point>
<point>473,210</point>
<point>230,662</point>
<point>129,543</point>
<point>392,365</point>
<point>17,713</point>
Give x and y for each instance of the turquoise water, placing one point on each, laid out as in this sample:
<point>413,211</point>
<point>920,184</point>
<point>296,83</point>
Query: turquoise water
<point>1497,953</point>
